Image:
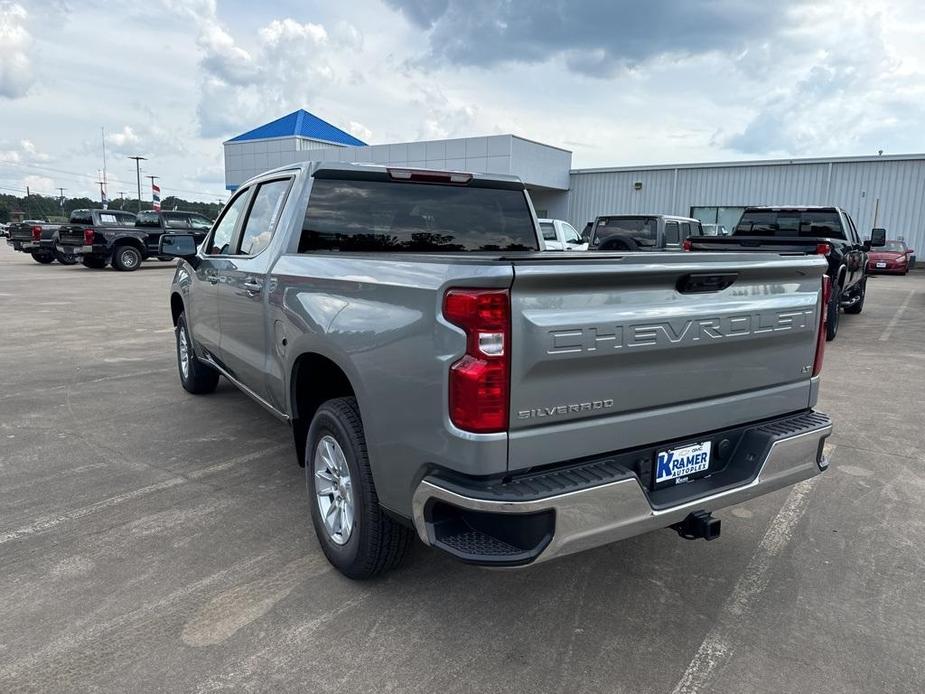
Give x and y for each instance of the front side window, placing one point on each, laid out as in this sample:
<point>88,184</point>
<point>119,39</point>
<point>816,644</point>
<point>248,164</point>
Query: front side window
<point>265,211</point>
<point>197,222</point>
<point>549,231</point>
<point>220,243</point>
<point>388,216</point>
<point>672,235</point>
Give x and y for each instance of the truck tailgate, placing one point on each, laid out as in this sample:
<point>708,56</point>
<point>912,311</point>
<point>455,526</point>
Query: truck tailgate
<point>614,352</point>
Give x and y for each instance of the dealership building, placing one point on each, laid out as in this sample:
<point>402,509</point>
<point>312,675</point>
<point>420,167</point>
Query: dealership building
<point>886,191</point>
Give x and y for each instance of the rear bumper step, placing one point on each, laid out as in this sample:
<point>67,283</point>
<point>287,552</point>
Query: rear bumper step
<point>536,517</point>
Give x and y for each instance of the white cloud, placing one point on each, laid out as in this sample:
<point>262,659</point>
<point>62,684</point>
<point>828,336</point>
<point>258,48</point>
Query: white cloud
<point>359,130</point>
<point>16,74</point>
<point>38,184</point>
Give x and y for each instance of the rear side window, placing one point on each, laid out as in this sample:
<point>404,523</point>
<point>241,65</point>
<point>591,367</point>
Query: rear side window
<point>672,235</point>
<point>265,211</point>
<point>549,231</point>
<point>790,223</point>
<point>685,229</point>
<point>148,219</point>
<point>176,221</point>
<point>109,219</point>
<point>364,216</point>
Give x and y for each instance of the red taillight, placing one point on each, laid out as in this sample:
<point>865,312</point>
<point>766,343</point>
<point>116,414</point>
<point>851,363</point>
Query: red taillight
<point>480,380</point>
<point>36,233</point>
<point>88,236</point>
<point>823,320</point>
<point>686,245</point>
<point>823,249</point>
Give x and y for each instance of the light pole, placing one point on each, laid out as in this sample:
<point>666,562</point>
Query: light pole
<point>138,161</point>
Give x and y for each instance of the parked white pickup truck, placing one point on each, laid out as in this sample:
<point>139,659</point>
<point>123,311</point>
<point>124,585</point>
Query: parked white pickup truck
<point>559,235</point>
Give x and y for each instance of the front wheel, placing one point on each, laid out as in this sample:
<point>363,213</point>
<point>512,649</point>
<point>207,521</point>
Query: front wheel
<point>126,258</point>
<point>43,258</point>
<point>355,534</point>
<point>858,306</point>
<point>195,377</point>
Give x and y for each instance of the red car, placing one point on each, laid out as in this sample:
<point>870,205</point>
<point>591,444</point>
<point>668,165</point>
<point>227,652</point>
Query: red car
<point>894,258</point>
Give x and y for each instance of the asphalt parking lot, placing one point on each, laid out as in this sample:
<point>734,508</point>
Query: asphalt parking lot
<point>151,540</point>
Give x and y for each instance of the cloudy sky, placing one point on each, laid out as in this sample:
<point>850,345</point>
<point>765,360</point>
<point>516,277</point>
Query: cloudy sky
<point>615,81</point>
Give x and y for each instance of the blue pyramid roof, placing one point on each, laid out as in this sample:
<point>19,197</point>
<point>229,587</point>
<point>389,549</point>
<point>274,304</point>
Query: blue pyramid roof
<point>303,124</point>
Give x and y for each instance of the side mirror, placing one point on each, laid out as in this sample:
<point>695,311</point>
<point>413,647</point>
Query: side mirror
<point>877,237</point>
<point>178,246</point>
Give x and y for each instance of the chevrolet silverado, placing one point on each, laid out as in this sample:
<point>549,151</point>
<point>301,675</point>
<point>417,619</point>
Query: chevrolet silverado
<point>443,377</point>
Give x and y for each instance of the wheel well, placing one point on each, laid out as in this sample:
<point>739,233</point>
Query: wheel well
<point>176,307</point>
<point>129,242</point>
<point>315,379</point>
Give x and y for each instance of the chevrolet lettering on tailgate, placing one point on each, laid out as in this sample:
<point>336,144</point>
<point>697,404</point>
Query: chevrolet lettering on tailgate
<point>663,333</point>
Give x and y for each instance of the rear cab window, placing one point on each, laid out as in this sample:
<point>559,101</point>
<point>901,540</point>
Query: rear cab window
<point>625,233</point>
<point>548,230</point>
<point>376,214</point>
<point>791,222</point>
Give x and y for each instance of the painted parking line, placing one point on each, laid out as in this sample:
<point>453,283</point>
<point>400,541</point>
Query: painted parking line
<point>78,513</point>
<point>894,321</point>
<point>718,646</point>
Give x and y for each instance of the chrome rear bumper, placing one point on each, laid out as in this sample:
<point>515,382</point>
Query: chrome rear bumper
<point>620,509</point>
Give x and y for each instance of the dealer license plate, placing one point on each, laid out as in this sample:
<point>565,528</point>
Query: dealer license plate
<point>881,264</point>
<point>683,464</point>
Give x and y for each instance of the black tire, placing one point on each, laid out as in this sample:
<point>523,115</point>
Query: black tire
<point>65,259</point>
<point>831,325</point>
<point>377,542</point>
<point>93,263</point>
<point>43,258</point>
<point>198,378</point>
<point>126,258</point>
<point>855,309</point>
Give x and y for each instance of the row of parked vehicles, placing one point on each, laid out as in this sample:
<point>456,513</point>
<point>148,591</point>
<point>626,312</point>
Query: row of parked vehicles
<point>99,237</point>
<point>828,231</point>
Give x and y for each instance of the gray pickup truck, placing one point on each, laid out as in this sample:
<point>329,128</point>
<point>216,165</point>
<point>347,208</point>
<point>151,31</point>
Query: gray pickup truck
<point>443,376</point>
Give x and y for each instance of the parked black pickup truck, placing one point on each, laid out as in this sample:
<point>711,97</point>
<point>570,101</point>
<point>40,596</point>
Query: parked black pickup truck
<point>98,241</point>
<point>829,231</point>
<point>38,239</point>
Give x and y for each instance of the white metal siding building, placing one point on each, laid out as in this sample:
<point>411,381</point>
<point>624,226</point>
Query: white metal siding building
<point>887,189</point>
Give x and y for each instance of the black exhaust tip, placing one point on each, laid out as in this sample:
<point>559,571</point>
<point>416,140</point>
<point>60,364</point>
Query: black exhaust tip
<point>697,525</point>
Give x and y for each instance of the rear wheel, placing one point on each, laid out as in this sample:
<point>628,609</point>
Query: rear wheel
<point>195,377</point>
<point>65,259</point>
<point>859,305</point>
<point>831,325</point>
<point>93,263</point>
<point>355,534</point>
<point>126,258</point>
<point>43,258</point>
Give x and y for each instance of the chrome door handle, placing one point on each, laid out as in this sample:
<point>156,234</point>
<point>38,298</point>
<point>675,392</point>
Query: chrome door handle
<point>251,285</point>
